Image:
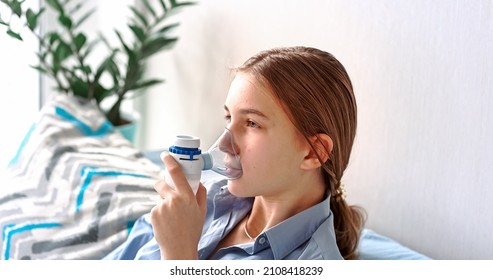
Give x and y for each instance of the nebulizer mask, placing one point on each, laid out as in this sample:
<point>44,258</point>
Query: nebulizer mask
<point>221,158</point>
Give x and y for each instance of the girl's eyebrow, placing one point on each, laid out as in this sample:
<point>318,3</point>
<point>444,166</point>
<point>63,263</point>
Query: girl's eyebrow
<point>246,111</point>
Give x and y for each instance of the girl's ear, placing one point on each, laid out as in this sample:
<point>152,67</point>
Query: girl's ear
<point>322,146</point>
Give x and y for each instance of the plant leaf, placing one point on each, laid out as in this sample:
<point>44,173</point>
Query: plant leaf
<point>168,28</point>
<point>2,22</point>
<point>105,65</point>
<point>163,5</point>
<point>85,69</point>
<point>149,8</point>
<point>152,47</point>
<point>14,34</point>
<point>90,46</point>
<point>125,46</point>
<point>139,32</point>
<point>80,40</point>
<point>84,18</point>
<point>115,73</point>
<point>42,55</point>
<point>39,68</point>
<point>139,16</point>
<point>65,21</point>
<point>134,72</point>
<point>62,51</point>
<point>76,8</point>
<point>31,19</point>
<point>174,4</point>
<point>144,84</point>
<point>101,93</point>
<point>55,4</point>
<point>55,66</point>
<point>54,37</point>
<point>79,87</point>
<point>16,7</point>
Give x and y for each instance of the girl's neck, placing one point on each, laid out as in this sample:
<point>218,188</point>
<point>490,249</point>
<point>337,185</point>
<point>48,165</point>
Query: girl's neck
<point>269,211</point>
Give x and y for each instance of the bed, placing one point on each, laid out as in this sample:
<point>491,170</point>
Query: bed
<point>75,187</point>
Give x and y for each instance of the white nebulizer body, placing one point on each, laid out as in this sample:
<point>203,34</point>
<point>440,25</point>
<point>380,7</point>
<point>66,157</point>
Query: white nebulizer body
<point>221,158</point>
<point>186,152</point>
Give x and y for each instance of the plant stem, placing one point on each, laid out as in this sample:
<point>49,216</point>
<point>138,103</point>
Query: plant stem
<point>46,66</point>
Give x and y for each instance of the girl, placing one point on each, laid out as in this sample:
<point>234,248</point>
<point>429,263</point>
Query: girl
<point>292,113</point>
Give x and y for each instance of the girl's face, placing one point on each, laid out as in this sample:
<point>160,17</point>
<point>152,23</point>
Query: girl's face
<point>270,147</point>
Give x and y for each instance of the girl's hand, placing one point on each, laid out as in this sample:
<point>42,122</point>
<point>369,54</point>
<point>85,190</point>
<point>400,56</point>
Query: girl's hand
<point>177,220</point>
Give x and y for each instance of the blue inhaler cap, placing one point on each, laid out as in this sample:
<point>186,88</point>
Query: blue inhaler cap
<point>185,145</point>
<point>222,157</point>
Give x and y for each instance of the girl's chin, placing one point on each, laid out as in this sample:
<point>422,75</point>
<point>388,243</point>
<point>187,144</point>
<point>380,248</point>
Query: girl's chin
<point>237,190</point>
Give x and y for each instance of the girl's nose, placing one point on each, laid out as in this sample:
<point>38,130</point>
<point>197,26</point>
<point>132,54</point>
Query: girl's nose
<point>226,143</point>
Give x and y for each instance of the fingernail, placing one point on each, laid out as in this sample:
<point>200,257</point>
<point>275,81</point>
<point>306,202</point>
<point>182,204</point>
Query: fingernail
<point>163,154</point>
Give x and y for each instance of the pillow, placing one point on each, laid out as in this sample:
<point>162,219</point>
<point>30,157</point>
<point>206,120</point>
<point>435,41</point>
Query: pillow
<point>374,246</point>
<point>75,186</point>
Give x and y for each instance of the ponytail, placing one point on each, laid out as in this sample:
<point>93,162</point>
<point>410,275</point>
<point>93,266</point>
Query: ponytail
<point>348,222</point>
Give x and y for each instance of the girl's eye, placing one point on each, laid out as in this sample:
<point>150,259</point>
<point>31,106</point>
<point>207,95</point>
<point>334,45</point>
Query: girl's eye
<point>227,118</point>
<point>252,124</point>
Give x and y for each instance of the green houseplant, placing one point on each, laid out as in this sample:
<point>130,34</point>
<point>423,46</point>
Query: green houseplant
<point>64,52</point>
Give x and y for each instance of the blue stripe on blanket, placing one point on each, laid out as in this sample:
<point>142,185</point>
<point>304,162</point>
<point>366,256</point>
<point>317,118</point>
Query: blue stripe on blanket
<point>88,172</point>
<point>105,128</point>
<point>21,146</point>
<point>10,230</point>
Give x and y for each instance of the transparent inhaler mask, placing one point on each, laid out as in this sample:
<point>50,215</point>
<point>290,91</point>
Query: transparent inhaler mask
<point>223,158</point>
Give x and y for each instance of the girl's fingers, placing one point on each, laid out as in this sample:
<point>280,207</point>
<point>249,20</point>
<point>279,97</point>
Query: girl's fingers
<point>176,173</point>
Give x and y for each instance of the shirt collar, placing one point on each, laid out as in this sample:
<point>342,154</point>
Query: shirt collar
<point>225,202</point>
<point>284,237</point>
<point>291,233</point>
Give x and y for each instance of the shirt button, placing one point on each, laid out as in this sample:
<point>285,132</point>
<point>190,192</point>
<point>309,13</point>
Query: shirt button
<point>261,240</point>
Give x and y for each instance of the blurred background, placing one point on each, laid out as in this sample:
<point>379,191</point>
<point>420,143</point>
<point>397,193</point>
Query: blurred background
<point>422,74</point>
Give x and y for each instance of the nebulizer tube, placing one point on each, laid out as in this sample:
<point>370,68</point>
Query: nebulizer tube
<point>222,158</point>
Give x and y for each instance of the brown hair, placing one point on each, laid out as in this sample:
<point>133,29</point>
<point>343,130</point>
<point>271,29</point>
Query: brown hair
<point>316,92</point>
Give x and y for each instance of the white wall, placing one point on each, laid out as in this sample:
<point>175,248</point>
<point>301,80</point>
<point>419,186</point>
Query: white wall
<point>422,161</point>
<point>19,86</point>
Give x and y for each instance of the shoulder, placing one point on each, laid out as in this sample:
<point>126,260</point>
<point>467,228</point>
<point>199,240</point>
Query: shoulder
<point>322,245</point>
<point>141,233</point>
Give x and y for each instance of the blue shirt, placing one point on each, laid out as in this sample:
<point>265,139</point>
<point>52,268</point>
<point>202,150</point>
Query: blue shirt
<point>308,235</point>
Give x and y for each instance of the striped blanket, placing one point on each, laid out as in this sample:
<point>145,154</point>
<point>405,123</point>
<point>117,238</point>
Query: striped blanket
<point>74,187</point>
